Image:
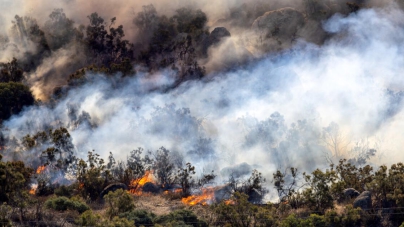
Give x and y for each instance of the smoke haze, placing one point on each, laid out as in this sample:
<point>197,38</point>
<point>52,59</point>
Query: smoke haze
<point>270,113</point>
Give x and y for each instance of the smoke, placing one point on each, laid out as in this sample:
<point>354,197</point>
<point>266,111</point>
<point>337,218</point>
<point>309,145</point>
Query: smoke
<point>267,114</point>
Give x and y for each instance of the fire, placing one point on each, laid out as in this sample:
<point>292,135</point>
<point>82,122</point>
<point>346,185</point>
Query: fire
<point>229,202</point>
<point>207,196</point>
<point>40,169</point>
<point>137,184</point>
<point>33,189</point>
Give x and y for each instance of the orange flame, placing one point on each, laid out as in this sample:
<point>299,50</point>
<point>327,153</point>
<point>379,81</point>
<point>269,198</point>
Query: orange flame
<point>33,189</point>
<point>229,202</point>
<point>40,169</point>
<point>137,184</point>
<point>207,196</point>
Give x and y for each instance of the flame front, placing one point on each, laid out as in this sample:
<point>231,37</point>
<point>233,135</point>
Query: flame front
<point>33,189</point>
<point>137,184</point>
<point>207,196</point>
<point>40,169</point>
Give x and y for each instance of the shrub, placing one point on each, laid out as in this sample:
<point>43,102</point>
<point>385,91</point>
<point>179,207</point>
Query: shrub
<point>64,191</point>
<point>63,203</point>
<point>140,217</point>
<point>119,202</point>
<point>180,218</point>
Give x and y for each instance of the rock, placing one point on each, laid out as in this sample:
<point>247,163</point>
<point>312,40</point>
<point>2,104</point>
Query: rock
<point>350,193</point>
<point>150,188</point>
<point>364,201</point>
<point>213,38</point>
<point>113,187</point>
<point>217,34</point>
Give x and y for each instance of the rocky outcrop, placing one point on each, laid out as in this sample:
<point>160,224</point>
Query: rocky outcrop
<point>364,200</point>
<point>214,37</point>
<point>350,193</point>
<point>151,188</point>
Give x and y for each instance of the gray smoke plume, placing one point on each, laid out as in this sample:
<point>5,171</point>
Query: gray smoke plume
<point>282,110</point>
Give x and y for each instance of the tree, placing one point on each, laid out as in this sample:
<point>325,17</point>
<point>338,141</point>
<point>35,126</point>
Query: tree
<point>106,47</point>
<point>14,178</point>
<point>318,193</point>
<point>184,178</point>
<point>164,168</point>
<point>13,98</point>
<point>59,29</point>
<point>26,31</point>
<point>10,72</point>
<point>92,176</point>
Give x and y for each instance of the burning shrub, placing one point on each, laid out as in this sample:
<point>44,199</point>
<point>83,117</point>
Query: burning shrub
<point>63,203</point>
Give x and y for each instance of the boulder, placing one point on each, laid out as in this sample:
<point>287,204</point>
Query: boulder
<point>113,187</point>
<point>350,193</point>
<point>150,188</point>
<point>364,201</point>
<point>217,34</point>
<point>213,38</point>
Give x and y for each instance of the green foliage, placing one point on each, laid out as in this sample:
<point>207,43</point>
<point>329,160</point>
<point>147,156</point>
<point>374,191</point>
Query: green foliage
<point>92,176</point>
<point>107,47</point>
<point>318,194</point>
<point>4,215</point>
<point>242,213</point>
<point>253,186</point>
<point>10,72</point>
<point>14,178</point>
<point>88,218</point>
<point>140,217</point>
<point>63,203</point>
<point>180,218</point>
<point>55,146</point>
<point>63,190</point>
<point>13,97</point>
<point>119,202</point>
<point>189,20</point>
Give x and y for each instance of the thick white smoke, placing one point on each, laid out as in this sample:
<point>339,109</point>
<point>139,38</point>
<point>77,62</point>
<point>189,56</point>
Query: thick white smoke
<point>269,114</point>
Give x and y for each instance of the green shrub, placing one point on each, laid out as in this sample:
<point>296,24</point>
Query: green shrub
<point>180,218</point>
<point>63,203</point>
<point>140,217</point>
<point>64,191</point>
<point>119,201</point>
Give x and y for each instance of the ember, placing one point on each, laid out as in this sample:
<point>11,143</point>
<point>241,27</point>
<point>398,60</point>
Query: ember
<point>40,169</point>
